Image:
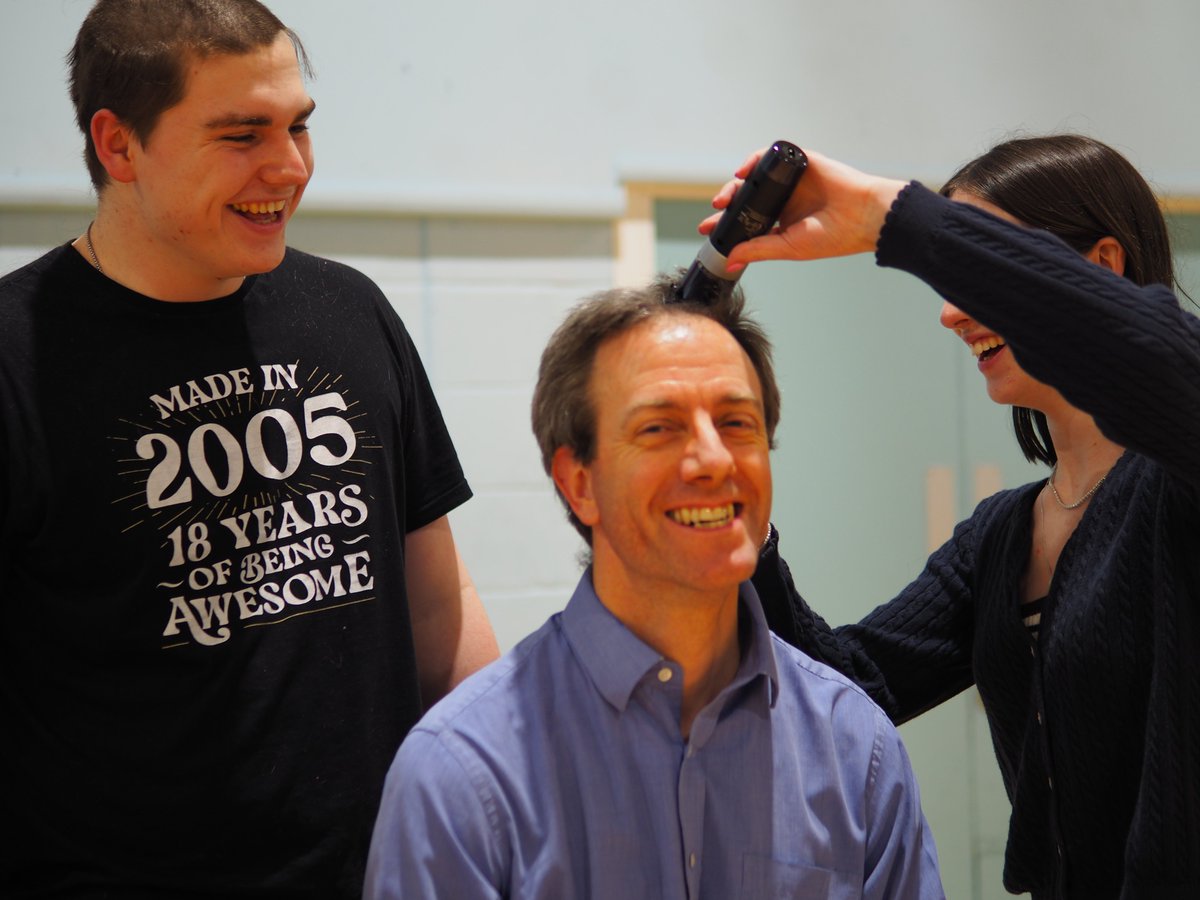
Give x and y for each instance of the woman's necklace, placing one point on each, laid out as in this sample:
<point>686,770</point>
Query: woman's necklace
<point>1082,500</point>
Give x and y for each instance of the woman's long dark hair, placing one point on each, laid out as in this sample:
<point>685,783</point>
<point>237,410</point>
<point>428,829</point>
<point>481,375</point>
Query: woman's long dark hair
<point>1081,191</point>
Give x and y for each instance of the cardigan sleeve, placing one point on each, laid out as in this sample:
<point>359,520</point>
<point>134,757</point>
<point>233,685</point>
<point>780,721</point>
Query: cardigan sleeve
<point>1128,355</point>
<point>909,654</point>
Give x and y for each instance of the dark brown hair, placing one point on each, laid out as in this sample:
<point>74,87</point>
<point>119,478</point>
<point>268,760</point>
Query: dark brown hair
<point>1081,191</point>
<point>132,57</point>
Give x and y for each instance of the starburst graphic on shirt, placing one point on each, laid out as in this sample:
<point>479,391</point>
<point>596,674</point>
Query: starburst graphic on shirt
<point>196,457</point>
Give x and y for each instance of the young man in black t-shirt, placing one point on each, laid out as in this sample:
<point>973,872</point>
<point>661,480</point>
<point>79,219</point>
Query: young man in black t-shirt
<point>227,575</point>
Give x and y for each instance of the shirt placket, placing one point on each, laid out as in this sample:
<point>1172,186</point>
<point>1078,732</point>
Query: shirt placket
<point>692,796</point>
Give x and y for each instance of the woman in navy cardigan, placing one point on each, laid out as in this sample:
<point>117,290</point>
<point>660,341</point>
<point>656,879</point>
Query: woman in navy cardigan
<point>1072,603</point>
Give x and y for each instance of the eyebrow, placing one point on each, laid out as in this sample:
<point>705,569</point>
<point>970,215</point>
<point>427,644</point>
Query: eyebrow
<point>237,120</point>
<point>727,401</point>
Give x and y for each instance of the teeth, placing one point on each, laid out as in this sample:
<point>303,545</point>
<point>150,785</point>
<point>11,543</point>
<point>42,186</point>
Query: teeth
<point>704,516</point>
<point>272,206</point>
<point>981,347</point>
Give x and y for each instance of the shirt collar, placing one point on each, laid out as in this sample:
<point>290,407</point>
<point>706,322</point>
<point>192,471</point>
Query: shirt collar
<point>616,660</point>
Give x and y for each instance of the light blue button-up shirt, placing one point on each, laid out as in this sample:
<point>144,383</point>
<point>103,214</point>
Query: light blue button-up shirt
<point>560,772</point>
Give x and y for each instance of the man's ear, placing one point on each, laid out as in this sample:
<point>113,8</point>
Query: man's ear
<point>1109,253</point>
<point>574,481</point>
<point>114,142</point>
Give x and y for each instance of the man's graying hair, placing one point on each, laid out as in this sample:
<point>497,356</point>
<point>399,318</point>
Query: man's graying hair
<point>563,412</point>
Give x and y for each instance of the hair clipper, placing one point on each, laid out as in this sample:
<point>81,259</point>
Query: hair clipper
<point>753,211</point>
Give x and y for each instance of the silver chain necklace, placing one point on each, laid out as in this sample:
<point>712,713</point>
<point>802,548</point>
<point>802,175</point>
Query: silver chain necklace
<point>1082,500</point>
<point>91,249</point>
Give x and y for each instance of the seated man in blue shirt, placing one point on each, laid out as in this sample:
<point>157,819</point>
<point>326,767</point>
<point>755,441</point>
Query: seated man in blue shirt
<point>654,740</point>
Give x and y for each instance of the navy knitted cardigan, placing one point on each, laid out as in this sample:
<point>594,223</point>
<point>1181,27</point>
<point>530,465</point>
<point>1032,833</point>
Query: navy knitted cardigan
<point>1096,725</point>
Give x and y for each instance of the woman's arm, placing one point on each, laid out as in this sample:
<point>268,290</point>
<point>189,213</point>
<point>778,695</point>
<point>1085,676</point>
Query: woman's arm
<point>911,653</point>
<point>1127,355</point>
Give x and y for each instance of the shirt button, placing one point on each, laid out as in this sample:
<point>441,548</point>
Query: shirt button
<point>1039,717</point>
<point>1050,782</point>
<point>664,674</point>
<point>692,861</point>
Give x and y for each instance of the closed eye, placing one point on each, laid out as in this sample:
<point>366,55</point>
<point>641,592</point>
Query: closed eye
<point>740,424</point>
<point>653,428</point>
<point>657,430</point>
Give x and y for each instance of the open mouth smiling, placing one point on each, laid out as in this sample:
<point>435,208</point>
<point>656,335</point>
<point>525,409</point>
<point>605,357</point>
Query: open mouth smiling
<point>706,516</point>
<point>262,213</point>
<point>987,348</point>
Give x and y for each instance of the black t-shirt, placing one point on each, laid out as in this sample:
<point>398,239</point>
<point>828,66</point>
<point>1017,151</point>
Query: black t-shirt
<point>206,660</point>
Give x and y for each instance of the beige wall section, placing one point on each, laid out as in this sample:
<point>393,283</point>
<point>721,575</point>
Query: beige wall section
<point>941,511</point>
<point>988,478</point>
<point>634,263</point>
<point>636,239</point>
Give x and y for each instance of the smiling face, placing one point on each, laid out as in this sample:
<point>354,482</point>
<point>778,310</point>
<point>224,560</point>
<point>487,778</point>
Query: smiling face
<point>220,175</point>
<point>678,494</point>
<point>1006,381</point>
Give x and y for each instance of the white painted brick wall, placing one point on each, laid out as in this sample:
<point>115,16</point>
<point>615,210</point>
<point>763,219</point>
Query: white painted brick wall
<point>480,326</point>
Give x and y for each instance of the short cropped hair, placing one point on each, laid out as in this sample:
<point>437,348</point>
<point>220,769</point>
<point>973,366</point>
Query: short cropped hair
<point>132,57</point>
<point>563,412</point>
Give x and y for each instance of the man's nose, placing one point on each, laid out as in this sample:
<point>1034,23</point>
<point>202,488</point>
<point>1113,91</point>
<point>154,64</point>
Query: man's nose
<point>707,457</point>
<point>287,163</point>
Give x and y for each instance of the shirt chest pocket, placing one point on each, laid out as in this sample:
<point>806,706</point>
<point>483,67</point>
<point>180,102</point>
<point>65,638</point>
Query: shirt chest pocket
<point>772,879</point>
